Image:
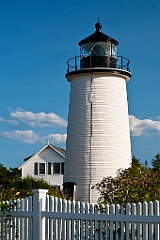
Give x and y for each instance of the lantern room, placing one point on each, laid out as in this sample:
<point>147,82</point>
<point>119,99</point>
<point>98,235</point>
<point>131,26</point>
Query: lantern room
<point>98,50</point>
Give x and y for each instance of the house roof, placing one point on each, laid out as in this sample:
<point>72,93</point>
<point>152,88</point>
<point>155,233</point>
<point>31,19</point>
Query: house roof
<point>60,151</point>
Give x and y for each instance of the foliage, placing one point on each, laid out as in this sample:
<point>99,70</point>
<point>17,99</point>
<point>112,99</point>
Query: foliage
<point>59,194</point>
<point>13,187</point>
<point>26,185</point>
<point>4,175</point>
<point>156,163</point>
<point>136,184</point>
<point>135,161</point>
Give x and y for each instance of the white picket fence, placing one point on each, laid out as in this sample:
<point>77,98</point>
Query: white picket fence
<point>47,218</point>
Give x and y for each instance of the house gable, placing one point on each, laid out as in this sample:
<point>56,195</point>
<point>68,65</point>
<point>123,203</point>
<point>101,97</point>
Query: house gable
<point>47,163</point>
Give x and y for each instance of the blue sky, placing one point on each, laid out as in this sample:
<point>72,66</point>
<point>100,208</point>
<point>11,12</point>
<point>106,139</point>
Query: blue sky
<point>37,37</point>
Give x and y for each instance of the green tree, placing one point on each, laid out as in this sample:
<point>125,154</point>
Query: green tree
<point>132,185</point>
<point>156,163</point>
<point>4,175</point>
<point>135,161</point>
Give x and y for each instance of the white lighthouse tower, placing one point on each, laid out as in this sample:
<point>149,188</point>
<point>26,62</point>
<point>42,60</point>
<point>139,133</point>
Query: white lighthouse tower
<point>98,136</point>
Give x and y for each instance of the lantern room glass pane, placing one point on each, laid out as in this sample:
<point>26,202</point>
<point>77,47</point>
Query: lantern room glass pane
<point>107,47</point>
<point>114,50</point>
<point>86,49</point>
<point>99,49</point>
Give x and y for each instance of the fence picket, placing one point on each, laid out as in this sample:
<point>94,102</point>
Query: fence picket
<point>91,222</point>
<point>78,222</point>
<point>22,220</point>
<point>133,227</point>
<point>117,229</point>
<point>51,220</point>
<point>97,230</point>
<point>107,222</point>
<point>122,224</point>
<point>73,207</point>
<point>127,230</point>
<point>68,221</point>
<point>82,222</point>
<point>112,212</point>
<point>139,231</point>
<point>18,219</point>
<point>87,226</point>
<point>150,224</point>
<point>64,209</point>
<point>55,219</point>
<point>47,220</point>
<point>59,219</point>
<point>145,225</point>
<point>156,205</point>
<point>30,219</point>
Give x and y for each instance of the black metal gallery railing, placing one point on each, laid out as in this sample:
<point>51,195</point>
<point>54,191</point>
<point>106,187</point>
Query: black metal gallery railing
<point>78,62</point>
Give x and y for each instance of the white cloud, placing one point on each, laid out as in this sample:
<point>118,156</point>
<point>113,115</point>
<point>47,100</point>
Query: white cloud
<point>40,119</point>
<point>19,117</point>
<point>31,137</point>
<point>27,136</point>
<point>140,127</point>
<point>57,138</point>
<point>9,121</point>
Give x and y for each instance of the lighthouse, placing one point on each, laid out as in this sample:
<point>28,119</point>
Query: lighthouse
<point>98,135</point>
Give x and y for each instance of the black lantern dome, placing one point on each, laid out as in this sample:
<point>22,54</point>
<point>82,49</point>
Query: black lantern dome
<point>98,36</point>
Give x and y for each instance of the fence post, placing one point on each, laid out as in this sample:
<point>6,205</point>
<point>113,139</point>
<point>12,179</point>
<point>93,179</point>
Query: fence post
<point>39,200</point>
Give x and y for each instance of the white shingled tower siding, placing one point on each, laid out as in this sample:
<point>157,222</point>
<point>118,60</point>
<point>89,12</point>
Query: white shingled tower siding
<point>98,141</point>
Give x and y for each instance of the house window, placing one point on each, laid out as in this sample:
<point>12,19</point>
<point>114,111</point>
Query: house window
<point>41,168</point>
<point>36,168</point>
<point>49,168</point>
<point>62,168</point>
<point>56,168</point>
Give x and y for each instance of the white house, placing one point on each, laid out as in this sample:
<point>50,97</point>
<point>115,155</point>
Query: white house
<point>47,163</point>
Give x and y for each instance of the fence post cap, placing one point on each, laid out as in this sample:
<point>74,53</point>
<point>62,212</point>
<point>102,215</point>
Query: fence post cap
<point>40,190</point>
